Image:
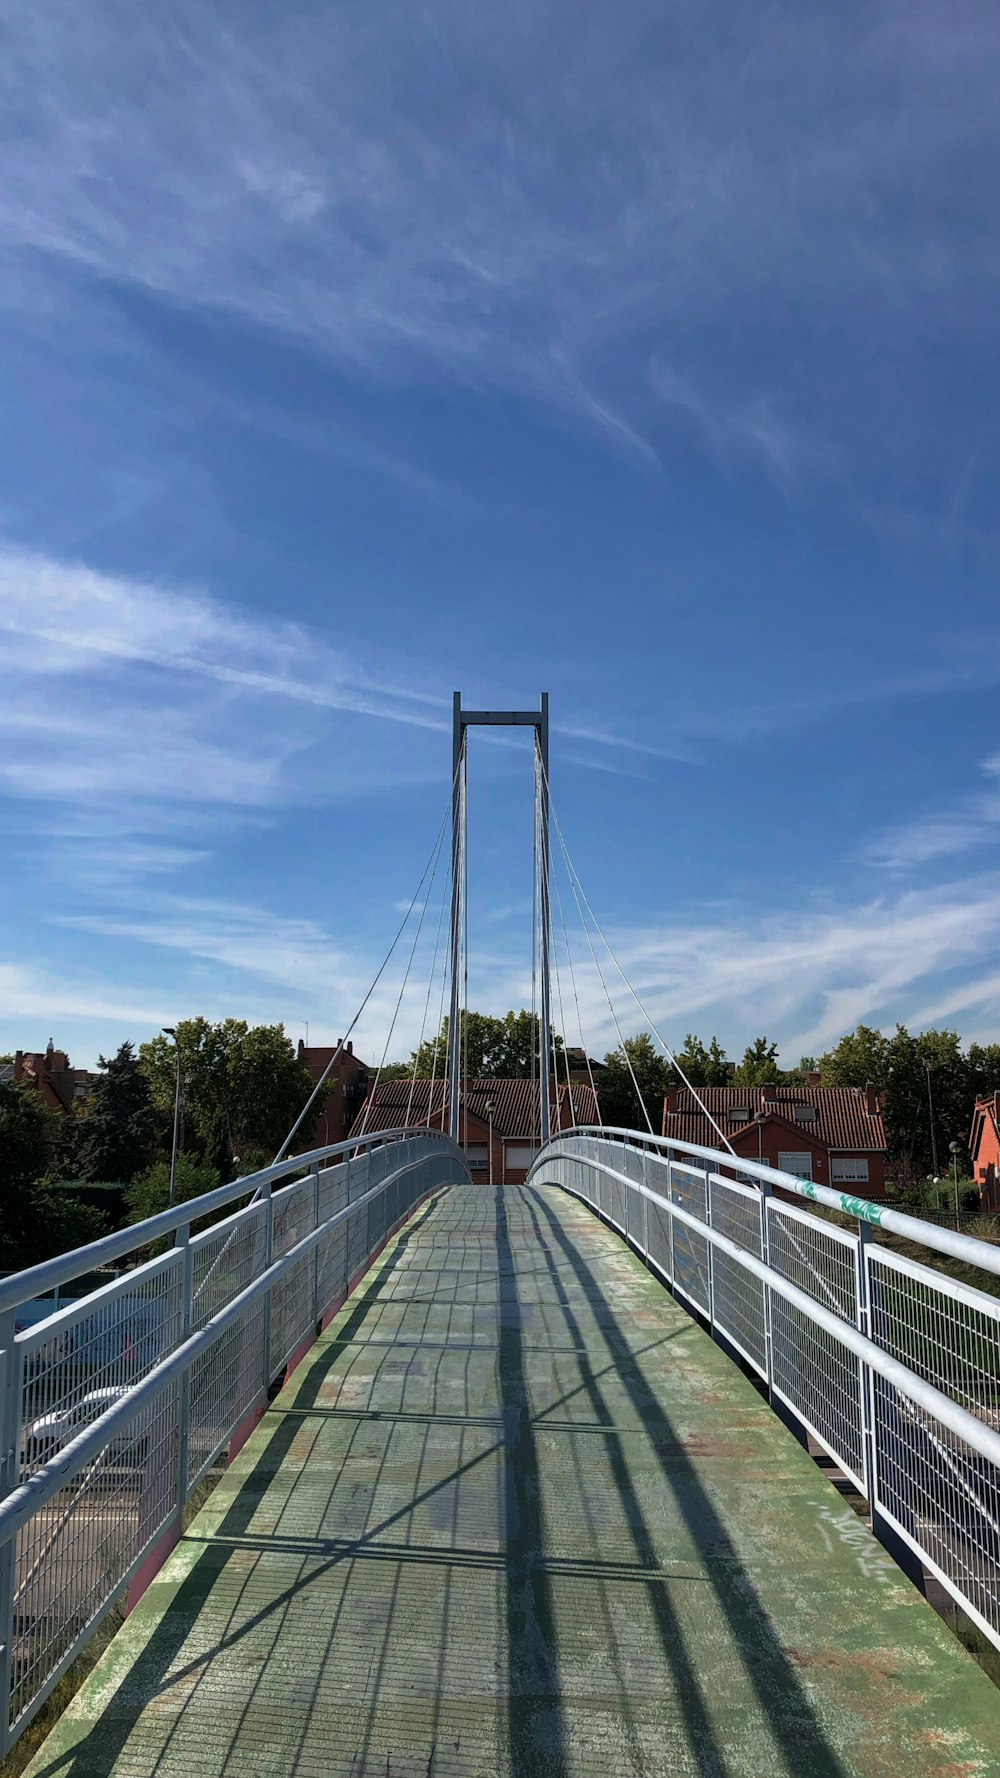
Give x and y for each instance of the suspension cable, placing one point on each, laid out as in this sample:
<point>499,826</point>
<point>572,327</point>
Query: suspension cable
<point>369,1107</point>
<point>576,997</point>
<point>562,1022</point>
<point>289,1139</point>
<point>575,880</point>
<point>423,1020</point>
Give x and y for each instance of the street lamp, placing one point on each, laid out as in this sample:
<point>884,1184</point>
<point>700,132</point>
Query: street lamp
<point>489,1114</point>
<point>760,1119</point>
<point>955,1149</point>
<point>171,1031</point>
<point>930,1112</point>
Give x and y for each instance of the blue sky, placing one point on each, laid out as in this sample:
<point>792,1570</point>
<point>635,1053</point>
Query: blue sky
<point>645,355</point>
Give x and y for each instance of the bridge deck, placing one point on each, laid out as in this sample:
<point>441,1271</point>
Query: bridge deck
<point>517,1514</point>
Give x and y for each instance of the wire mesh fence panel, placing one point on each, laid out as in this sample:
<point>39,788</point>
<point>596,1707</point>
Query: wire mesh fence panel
<point>739,1308</point>
<point>85,1358</point>
<point>292,1310</point>
<point>225,1260</point>
<point>941,1495</point>
<point>227,1381</point>
<point>635,1221</point>
<point>691,1262</point>
<point>810,1369</point>
<point>331,1260</point>
<point>73,1554</point>
<point>91,1527</point>
<point>616,1206</point>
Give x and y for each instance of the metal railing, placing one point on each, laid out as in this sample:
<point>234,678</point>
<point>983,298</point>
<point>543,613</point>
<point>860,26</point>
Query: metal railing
<point>114,1408</point>
<point>890,1364</point>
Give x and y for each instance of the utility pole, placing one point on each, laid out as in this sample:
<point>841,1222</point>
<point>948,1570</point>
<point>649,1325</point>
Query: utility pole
<point>930,1109</point>
<point>170,1031</point>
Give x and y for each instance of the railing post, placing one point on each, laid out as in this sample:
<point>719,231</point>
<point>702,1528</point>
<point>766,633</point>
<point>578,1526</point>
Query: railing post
<point>315,1264</point>
<point>268,1202</point>
<point>182,1240</point>
<point>10,1431</point>
<point>864,1318</point>
<point>709,1253</point>
<point>765,1192</point>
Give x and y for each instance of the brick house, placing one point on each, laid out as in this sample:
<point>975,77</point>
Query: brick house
<point>984,1147</point>
<point>61,1087</point>
<point>833,1135</point>
<point>347,1085</point>
<point>513,1122</point>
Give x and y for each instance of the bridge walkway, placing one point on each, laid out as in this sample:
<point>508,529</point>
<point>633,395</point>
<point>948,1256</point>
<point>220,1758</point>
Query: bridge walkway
<point>516,1513</point>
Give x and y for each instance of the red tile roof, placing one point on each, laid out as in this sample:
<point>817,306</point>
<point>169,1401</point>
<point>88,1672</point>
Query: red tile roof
<point>843,1120</point>
<point>515,1105</point>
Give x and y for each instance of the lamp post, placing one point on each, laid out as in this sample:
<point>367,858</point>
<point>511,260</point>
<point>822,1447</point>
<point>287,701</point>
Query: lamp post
<point>489,1115</point>
<point>930,1113</point>
<point>955,1149</point>
<point>171,1031</point>
<point>760,1119</point>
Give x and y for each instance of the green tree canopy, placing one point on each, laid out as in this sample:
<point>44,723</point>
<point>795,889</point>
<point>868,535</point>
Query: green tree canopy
<point>243,1086</point>
<point>703,1067</point>
<point>36,1221</point>
<point>493,1048</point>
<point>759,1064</point>
<point>28,1131</point>
<point>149,1192</point>
<point>620,1103</point>
<point>860,1057</point>
<point>899,1067</point>
<point>122,1127</point>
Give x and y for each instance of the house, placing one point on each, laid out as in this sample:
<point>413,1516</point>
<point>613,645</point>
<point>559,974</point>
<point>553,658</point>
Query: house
<point>49,1071</point>
<point>984,1147</point>
<point>833,1135</point>
<point>497,1115</point>
<point>346,1086</point>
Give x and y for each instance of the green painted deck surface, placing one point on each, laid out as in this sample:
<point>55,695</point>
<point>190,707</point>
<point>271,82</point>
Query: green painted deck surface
<point>517,1514</point>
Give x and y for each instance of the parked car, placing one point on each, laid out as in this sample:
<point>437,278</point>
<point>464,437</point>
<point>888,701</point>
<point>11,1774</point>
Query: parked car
<point>47,1435</point>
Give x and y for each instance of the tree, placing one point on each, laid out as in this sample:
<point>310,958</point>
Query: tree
<point>35,1221</point>
<point>28,1132</point>
<point>492,1049</point>
<point>860,1057</point>
<point>898,1068</point>
<point>703,1067</point>
<point>122,1127</point>
<point>149,1192</point>
<point>759,1064</point>
<point>620,1103</point>
<point>243,1086</point>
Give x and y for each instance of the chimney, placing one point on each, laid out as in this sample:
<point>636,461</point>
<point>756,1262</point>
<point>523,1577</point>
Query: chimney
<point>671,1099</point>
<point>19,1065</point>
<point>769,1091</point>
<point>871,1098</point>
<point>814,1077</point>
<point>302,1049</point>
<point>349,1048</point>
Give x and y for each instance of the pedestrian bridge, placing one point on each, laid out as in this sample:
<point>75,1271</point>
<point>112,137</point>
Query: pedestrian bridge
<point>536,1501</point>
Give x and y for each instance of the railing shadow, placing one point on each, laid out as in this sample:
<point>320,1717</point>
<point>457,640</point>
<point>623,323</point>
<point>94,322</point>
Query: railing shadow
<point>786,1706</point>
<point>154,1671</point>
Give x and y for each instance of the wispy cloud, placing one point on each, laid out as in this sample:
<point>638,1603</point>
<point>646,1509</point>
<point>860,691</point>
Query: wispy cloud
<point>510,199</point>
<point>805,975</point>
<point>969,822</point>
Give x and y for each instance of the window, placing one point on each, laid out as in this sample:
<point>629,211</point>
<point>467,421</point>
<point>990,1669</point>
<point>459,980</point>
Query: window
<point>848,1169</point>
<point>477,1154</point>
<point>806,1114</point>
<point>799,1164</point>
<point>519,1154</point>
<point>739,1114</point>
